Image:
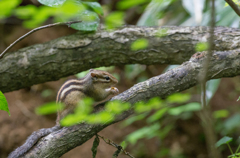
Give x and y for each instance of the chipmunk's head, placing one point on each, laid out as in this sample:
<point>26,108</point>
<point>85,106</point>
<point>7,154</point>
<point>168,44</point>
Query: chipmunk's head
<point>99,76</point>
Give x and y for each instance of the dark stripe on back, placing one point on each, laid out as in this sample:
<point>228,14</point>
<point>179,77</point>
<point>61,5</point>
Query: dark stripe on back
<point>64,86</point>
<point>69,91</point>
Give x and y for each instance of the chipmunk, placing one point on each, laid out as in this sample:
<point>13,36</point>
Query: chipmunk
<point>96,84</point>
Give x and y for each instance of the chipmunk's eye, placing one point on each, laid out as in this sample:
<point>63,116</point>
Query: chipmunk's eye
<point>107,78</point>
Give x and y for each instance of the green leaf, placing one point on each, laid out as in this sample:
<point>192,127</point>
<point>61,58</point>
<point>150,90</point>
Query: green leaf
<point>185,108</point>
<point>49,108</point>
<point>84,106</point>
<point>220,114</point>
<point>157,115</point>
<point>178,98</point>
<point>3,103</point>
<point>102,117</point>
<point>132,119</point>
<point>117,106</point>
<point>211,88</point>
<point>144,132</point>
<point>238,98</point>
<point>90,21</point>
<point>114,19</point>
<point>231,123</point>
<point>95,6</point>
<point>123,144</point>
<point>25,12</point>
<point>139,44</point>
<point>224,140</point>
<point>201,46</point>
<point>7,6</point>
<point>126,4</point>
<point>73,119</point>
<point>52,3</point>
<point>94,147</point>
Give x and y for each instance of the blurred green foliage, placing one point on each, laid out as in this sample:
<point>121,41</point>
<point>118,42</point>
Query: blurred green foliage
<point>114,19</point>
<point>157,12</point>
<point>224,140</point>
<point>49,108</point>
<point>7,6</point>
<point>202,46</point>
<point>127,4</point>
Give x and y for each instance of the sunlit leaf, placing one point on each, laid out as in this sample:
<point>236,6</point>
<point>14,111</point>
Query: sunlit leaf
<point>149,132</point>
<point>152,104</point>
<point>7,6</point>
<point>139,44</point>
<point>37,19</point>
<point>201,46</point>
<point>49,108</point>
<point>178,98</point>
<point>125,4</point>
<point>123,144</point>
<point>157,115</point>
<point>90,21</point>
<point>95,6</point>
<point>102,117</point>
<point>73,119</point>
<point>185,108</point>
<point>238,98</point>
<point>224,140</point>
<point>114,20</point>
<point>25,12</point>
<point>52,3</point>
<point>135,118</point>
<point>117,106</point>
<point>3,103</point>
<point>220,114</point>
<point>84,106</point>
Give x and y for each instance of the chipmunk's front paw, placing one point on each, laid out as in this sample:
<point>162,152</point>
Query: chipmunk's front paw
<point>114,90</point>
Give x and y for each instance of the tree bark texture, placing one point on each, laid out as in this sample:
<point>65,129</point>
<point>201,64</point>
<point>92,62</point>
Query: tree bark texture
<point>222,64</point>
<point>78,52</point>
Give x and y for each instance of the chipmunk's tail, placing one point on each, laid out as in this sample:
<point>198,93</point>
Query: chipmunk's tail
<point>31,140</point>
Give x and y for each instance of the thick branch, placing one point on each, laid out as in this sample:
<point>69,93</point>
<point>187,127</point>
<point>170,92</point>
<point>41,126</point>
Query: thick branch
<point>234,6</point>
<point>222,64</point>
<point>72,54</point>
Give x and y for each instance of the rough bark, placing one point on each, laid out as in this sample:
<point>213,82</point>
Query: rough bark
<point>72,54</point>
<point>222,64</point>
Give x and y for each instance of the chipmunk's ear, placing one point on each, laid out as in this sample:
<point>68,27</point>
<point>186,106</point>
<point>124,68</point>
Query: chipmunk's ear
<point>93,74</point>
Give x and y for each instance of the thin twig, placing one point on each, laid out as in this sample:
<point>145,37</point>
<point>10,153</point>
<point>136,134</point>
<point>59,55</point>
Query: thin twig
<point>34,30</point>
<point>206,116</point>
<point>234,6</point>
<point>110,142</point>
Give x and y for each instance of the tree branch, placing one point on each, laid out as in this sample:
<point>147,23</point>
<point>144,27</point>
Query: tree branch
<point>234,6</point>
<point>174,80</point>
<point>34,30</point>
<point>78,52</point>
